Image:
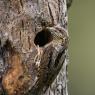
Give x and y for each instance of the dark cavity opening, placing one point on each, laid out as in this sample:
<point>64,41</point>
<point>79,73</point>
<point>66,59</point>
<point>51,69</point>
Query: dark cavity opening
<point>43,37</point>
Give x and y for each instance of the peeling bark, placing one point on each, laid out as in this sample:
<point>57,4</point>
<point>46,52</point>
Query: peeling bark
<point>33,47</point>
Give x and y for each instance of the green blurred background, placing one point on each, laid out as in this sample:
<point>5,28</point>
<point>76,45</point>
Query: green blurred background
<point>82,48</point>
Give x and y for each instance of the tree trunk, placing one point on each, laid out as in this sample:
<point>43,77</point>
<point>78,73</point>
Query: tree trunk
<point>33,47</point>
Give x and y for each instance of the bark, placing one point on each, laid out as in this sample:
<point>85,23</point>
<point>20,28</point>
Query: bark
<point>33,47</point>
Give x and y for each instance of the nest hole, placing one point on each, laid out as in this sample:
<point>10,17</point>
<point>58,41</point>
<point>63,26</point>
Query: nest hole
<point>42,38</point>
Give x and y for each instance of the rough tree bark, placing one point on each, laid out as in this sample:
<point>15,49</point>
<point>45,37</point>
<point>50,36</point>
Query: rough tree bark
<point>33,47</point>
